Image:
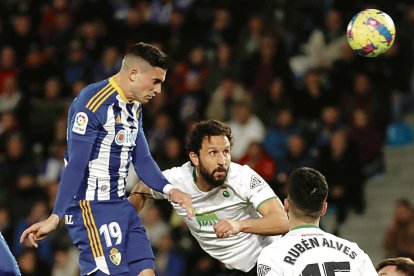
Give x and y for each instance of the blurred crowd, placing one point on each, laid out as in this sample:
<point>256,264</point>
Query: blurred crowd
<point>279,72</point>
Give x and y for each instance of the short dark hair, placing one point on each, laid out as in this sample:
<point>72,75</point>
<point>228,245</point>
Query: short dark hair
<point>405,265</point>
<point>204,129</point>
<point>151,54</point>
<point>308,190</point>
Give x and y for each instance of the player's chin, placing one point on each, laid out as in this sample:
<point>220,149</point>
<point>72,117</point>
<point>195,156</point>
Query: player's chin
<point>145,100</point>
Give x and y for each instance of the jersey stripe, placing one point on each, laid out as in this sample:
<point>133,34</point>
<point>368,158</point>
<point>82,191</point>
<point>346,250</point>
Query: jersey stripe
<point>103,90</point>
<point>98,240</point>
<point>103,99</point>
<point>88,229</point>
<point>89,222</point>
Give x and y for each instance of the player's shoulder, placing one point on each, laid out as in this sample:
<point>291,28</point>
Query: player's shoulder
<point>270,253</point>
<point>179,175</point>
<point>95,95</point>
<point>244,174</point>
<point>346,242</point>
<point>239,171</point>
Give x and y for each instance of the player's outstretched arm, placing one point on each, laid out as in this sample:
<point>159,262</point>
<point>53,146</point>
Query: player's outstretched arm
<point>141,192</point>
<point>184,200</point>
<point>40,230</point>
<point>139,195</point>
<point>273,222</point>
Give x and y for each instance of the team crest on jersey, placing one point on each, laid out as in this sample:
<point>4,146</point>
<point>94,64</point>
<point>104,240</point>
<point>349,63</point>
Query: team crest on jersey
<point>255,182</point>
<point>262,270</point>
<point>115,256</point>
<point>80,123</point>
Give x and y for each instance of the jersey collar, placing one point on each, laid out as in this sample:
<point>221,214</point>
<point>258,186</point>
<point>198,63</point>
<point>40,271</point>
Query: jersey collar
<point>118,89</point>
<point>304,226</point>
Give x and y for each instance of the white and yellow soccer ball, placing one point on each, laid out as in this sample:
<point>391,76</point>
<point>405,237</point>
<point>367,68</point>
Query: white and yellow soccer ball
<point>371,32</point>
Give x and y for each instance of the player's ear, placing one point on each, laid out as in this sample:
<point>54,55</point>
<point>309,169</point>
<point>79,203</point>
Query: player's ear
<point>133,75</point>
<point>286,205</point>
<point>194,158</point>
<point>324,208</point>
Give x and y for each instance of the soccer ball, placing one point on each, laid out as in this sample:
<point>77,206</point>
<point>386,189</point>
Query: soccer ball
<point>371,32</point>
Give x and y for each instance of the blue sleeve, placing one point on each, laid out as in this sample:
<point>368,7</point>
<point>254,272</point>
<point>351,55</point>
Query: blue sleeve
<point>145,166</point>
<point>73,174</point>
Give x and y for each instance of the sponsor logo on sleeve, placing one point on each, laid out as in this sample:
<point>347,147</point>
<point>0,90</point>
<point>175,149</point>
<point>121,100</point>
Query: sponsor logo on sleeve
<point>81,121</point>
<point>255,182</point>
<point>262,270</point>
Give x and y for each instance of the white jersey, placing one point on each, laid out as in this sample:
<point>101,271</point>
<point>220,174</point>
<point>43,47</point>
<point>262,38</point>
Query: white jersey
<point>240,197</point>
<point>306,251</point>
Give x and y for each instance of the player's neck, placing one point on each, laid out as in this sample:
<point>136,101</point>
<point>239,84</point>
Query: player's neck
<point>120,81</point>
<point>298,223</point>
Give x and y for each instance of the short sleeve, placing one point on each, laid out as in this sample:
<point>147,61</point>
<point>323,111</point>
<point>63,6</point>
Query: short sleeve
<point>254,188</point>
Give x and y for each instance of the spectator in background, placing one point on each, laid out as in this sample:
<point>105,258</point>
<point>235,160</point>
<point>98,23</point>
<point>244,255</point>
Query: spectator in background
<point>223,99</point>
<point>246,127</point>
<point>365,96</point>
<point>17,160</point>
<point>221,29</point>
<point>219,66</point>
<point>108,64</point>
<point>172,154</point>
<point>260,68</point>
<point>330,121</point>
<point>340,163</point>
<point>169,262</point>
<point>258,159</point>
<point>44,112</point>
<point>250,37</point>
<point>297,156</point>
<point>35,71</point>
<point>52,168</point>
<point>27,193</point>
<point>22,35</point>
<point>31,265</point>
<point>38,213</point>
<point>155,226</point>
<point>368,139</point>
<point>78,65</point>
<point>8,64</point>
<point>10,96</point>
<point>9,126</point>
<point>327,40</point>
<point>310,100</point>
<point>159,131</point>
<point>66,262</point>
<point>276,98</point>
<point>277,136</point>
<point>399,238</point>
<point>175,38</point>
<point>192,103</point>
<point>6,227</point>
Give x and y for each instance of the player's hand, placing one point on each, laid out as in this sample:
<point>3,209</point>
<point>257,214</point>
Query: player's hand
<point>184,200</point>
<point>40,230</point>
<point>224,228</point>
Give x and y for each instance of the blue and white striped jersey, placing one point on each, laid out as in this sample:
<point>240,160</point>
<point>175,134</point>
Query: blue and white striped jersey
<point>103,116</point>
